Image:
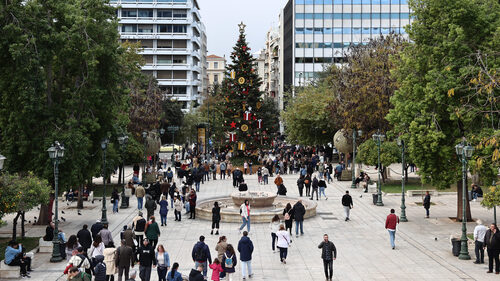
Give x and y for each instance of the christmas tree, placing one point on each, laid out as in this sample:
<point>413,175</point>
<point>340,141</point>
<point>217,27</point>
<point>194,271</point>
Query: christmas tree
<point>242,105</point>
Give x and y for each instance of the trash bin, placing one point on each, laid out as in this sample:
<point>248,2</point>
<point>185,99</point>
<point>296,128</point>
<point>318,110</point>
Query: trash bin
<point>375,198</point>
<point>456,246</point>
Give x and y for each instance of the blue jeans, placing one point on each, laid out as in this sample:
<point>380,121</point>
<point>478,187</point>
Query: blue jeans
<point>115,206</point>
<point>322,190</point>
<point>246,265</point>
<point>139,202</point>
<point>172,202</point>
<point>204,267</point>
<point>246,221</point>
<point>297,224</point>
<point>163,219</point>
<point>392,235</point>
<point>197,185</point>
<point>250,167</point>
<point>265,179</point>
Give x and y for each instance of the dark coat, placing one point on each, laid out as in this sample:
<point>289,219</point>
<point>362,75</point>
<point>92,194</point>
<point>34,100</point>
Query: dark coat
<point>299,211</point>
<point>100,269</point>
<point>223,262</point>
<point>300,183</point>
<point>245,247</point>
<point>124,256</point>
<point>96,227</point>
<point>204,248</point>
<point>347,200</point>
<point>84,238</point>
<point>146,255</point>
<point>315,183</point>
<point>192,200</point>
<point>216,214</point>
<point>163,207</point>
<point>282,190</point>
<point>129,236</point>
<point>492,240</point>
<point>195,275</point>
<point>427,201</point>
<point>328,250</point>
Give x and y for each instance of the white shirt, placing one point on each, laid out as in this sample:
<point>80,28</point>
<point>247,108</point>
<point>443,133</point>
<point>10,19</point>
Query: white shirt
<point>479,232</point>
<point>275,226</point>
<point>283,239</point>
<point>95,251</point>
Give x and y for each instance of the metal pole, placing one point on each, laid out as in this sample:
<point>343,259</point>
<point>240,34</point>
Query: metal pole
<point>144,182</point>
<point>403,164</point>
<point>104,219</point>
<point>379,197</point>
<point>464,251</point>
<point>56,255</point>
<point>124,204</point>
<point>495,214</point>
<point>353,169</point>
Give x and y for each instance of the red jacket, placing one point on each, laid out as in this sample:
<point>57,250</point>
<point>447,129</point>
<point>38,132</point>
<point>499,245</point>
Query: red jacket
<point>391,221</point>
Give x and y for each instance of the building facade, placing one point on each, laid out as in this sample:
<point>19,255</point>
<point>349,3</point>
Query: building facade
<point>317,33</point>
<point>174,44</point>
<point>216,68</point>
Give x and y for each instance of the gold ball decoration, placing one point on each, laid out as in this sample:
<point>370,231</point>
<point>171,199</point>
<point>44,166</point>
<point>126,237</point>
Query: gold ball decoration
<point>241,80</point>
<point>341,142</point>
<point>244,127</point>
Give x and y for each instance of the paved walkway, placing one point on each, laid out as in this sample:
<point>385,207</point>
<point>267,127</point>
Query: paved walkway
<point>423,250</point>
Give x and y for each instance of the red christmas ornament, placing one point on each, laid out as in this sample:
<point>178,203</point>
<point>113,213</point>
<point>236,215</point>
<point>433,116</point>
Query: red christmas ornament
<point>233,125</point>
<point>254,118</point>
<point>247,115</point>
<point>232,137</point>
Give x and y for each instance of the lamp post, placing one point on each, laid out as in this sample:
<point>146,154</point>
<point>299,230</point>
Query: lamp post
<point>144,137</point>
<point>56,152</point>
<point>123,140</point>
<point>378,137</point>
<point>353,169</point>
<point>464,153</point>
<point>104,147</point>
<point>401,143</point>
<point>2,160</point>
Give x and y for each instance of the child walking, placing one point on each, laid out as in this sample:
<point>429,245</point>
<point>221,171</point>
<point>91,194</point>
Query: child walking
<point>216,269</point>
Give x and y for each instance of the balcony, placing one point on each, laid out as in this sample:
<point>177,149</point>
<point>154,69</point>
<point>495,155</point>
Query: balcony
<point>165,51</point>
<point>153,35</point>
<point>152,3</point>
<point>166,66</point>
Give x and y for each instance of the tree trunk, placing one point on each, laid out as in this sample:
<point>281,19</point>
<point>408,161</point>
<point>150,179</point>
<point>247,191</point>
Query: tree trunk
<point>120,171</point>
<point>460,203</point>
<point>79,205</point>
<point>406,173</point>
<point>45,214</point>
<point>14,226</point>
<point>23,232</point>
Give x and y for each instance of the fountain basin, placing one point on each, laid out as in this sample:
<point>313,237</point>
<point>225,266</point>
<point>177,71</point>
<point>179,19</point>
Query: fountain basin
<point>257,199</point>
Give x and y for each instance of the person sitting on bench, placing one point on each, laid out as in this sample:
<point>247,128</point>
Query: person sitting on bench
<point>15,256</point>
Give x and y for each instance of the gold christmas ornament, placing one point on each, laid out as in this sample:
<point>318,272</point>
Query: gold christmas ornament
<point>244,127</point>
<point>259,105</point>
<point>241,80</point>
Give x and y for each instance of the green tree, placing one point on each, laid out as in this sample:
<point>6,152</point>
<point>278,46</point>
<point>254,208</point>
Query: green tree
<point>430,76</point>
<point>390,153</point>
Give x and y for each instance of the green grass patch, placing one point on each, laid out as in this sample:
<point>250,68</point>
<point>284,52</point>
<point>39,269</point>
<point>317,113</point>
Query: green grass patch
<point>98,189</point>
<point>29,243</point>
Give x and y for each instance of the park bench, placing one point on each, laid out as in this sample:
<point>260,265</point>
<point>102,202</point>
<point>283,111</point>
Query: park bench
<point>45,246</point>
<point>411,193</point>
<point>372,188</point>
<point>12,272</point>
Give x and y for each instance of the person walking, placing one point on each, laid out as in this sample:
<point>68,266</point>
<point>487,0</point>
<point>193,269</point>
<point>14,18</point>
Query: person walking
<point>115,198</point>
<point>288,217</point>
<point>245,247</point>
<point>479,233</point>
<point>221,248</point>
<point>192,205</point>
<point>223,170</point>
<point>427,204</point>
<point>215,218</point>
<point>283,242</point>
<point>96,249</point>
<point>174,274</point>
<point>298,214</point>
<point>71,246</point>
<point>390,224</point>
<point>314,188</point>
<point>94,229</point>
<point>152,232</point>
<point>139,225</point>
<point>216,270</point>
<point>322,186</point>
<point>300,185</point>
<point>106,236</point>
<point>124,259</point>
<point>110,261</point>
<point>278,180</point>
<point>140,192</point>
<point>245,215</point>
<point>163,210</point>
<point>307,183</point>
<point>178,208</point>
<point>274,225</point>
<point>328,254</point>
<point>150,206</point>
<point>84,237</point>
<point>347,204</point>
<point>265,175</point>
<point>99,269</point>
<point>492,241</point>
<point>201,254</point>
<point>229,261</point>
<point>195,274</point>
<point>147,258</point>
<point>162,262</point>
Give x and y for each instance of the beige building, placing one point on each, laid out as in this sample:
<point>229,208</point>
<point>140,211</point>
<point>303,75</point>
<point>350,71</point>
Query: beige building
<point>216,68</point>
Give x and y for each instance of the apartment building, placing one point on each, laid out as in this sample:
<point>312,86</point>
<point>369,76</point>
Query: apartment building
<point>317,33</point>
<point>174,44</point>
<point>216,68</point>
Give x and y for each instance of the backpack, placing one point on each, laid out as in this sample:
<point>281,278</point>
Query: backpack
<point>170,174</point>
<point>199,254</point>
<point>287,216</point>
<point>86,277</point>
<point>228,263</point>
<point>140,225</point>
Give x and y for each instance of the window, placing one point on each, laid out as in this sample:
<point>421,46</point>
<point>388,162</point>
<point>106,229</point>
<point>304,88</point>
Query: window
<point>164,28</point>
<point>145,28</point>
<point>366,30</point>
<point>129,28</point>
<point>299,30</point>
<point>180,29</point>
<point>179,59</point>
<point>145,13</point>
<point>337,30</point>
<point>162,60</point>
<point>318,30</point>
<point>216,78</point>
<point>179,90</point>
<point>318,2</point>
<point>308,30</point>
<point>129,13</point>
<point>356,30</point>
<point>216,64</point>
<point>164,13</point>
<point>179,14</point>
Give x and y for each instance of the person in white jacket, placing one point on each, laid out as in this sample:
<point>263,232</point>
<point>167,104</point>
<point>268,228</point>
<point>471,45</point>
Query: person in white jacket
<point>283,242</point>
<point>274,225</point>
<point>245,215</point>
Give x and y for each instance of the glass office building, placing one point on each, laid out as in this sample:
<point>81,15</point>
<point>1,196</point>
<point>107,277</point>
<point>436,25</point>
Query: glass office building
<point>317,33</point>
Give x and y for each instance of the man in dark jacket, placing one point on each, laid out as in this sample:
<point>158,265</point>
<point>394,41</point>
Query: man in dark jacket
<point>124,259</point>
<point>84,237</point>
<point>245,247</point>
<point>146,260</point>
<point>150,206</point>
<point>347,203</point>
<point>314,188</point>
<point>298,214</point>
<point>300,185</point>
<point>492,241</point>
<point>282,190</point>
<point>201,254</point>
<point>100,269</point>
<point>96,227</point>
<point>427,204</point>
<point>195,274</point>
<point>328,254</point>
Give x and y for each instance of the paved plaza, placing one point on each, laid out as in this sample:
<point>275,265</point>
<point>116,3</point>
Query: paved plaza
<point>423,248</point>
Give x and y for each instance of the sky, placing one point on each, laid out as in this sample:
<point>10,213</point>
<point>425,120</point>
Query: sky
<point>221,19</point>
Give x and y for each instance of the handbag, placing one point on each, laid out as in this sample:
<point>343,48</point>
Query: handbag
<point>67,268</point>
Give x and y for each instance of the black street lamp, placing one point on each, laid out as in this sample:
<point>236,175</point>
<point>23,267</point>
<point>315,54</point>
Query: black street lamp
<point>401,143</point>
<point>378,137</point>
<point>56,152</point>
<point>123,140</point>
<point>145,137</point>
<point>353,169</point>
<point>464,153</point>
<point>104,147</point>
